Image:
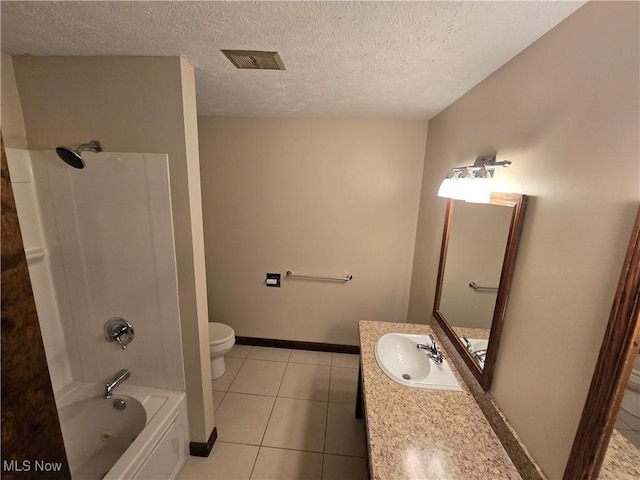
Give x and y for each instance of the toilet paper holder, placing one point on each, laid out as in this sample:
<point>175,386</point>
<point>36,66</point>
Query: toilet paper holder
<point>272,280</point>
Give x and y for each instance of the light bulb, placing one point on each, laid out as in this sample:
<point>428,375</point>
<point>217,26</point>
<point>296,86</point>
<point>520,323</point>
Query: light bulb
<point>478,190</point>
<point>446,187</point>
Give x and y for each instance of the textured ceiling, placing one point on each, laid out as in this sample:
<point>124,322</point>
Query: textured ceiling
<point>356,59</point>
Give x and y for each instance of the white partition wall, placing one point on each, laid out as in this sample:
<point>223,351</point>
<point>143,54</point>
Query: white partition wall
<point>109,235</point>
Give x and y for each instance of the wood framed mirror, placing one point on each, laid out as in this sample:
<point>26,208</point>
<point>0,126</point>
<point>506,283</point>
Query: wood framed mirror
<point>477,258</point>
<point>597,445</point>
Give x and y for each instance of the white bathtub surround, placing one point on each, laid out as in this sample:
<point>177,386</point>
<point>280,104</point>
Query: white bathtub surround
<point>101,243</point>
<point>159,451</point>
<point>107,238</point>
<point>115,229</point>
<point>41,267</point>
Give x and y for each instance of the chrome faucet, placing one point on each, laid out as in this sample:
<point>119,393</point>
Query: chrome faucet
<point>118,330</point>
<point>480,356</point>
<point>120,377</point>
<point>432,350</point>
<point>467,344</point>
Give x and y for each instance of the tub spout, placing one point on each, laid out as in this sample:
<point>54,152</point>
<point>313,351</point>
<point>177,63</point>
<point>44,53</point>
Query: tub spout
<point>120,377</point>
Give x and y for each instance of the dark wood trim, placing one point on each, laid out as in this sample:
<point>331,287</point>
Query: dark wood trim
<point>619,349</point>
<point>518,203</point>
<point>200,449</point>
<point>297,345</point>
<point>443,255</point>
<point>506,277</point>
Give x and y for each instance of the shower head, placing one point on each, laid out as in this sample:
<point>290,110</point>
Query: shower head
<point>74,157</point>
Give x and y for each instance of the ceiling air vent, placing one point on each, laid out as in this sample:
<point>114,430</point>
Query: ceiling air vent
<point>254,59</point>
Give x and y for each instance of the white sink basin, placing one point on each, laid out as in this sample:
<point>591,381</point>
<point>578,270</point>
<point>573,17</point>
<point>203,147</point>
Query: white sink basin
<point>476,345</point>
<point>401,360</point>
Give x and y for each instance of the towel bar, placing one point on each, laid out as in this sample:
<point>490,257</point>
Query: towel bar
<point>290,274</point>
<point>475,286</point>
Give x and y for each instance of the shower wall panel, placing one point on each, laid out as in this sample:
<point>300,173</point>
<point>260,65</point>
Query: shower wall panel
<point>58,344</point>
<point>114,228</point>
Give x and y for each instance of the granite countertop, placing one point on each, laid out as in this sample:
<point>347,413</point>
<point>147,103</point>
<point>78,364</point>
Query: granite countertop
<point>622,460</point>
<point>482,333</point>
<point>418,433</point>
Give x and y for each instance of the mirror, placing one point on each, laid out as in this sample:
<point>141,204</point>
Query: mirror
<point>600,450</point>
<point>622,456</point>
<point>479,246</point>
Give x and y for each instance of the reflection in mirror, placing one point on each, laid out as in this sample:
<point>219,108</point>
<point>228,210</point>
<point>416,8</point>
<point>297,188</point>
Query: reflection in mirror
<point>476,263</point>
<point>623,450</point>
<point>477,242</point>
<point>628,418</point>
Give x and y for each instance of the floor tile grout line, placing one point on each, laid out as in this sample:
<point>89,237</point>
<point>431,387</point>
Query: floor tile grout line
<point>311,364</point>
<point>312,399</point>
<point>224,394</point>
<point>269,359</point>
<point>234,377</point>
<point>238,443</point>
<point>266,360</point>
<point>326,425</point>
<point>305,399</point>
<point>234,356</point>
<point>261,394</point>
<point>282,379</point>
<point>295,450</point>
<point>342,455</point>
<point>290,449</point>
<point>246,393</point>
<point>272,408</point>
<point>255,462</point>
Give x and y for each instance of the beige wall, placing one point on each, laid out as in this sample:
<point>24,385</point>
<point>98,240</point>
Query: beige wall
<point>477,242</point>
<point>13,130</point>
<point>134,104</point>
<point>565,111</point>
<point>317,196</point>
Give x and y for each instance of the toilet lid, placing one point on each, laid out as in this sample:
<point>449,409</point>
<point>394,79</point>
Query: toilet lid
<point>220,333</point>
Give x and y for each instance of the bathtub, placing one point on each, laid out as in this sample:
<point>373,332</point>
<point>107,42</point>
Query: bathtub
<point>145,440</point>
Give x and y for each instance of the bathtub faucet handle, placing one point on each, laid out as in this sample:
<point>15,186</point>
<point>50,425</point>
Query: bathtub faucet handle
<point>119,340</point>
<point>118,330</point>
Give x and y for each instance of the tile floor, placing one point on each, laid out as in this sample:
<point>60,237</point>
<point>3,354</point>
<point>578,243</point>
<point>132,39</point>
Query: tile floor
<point>285,414</point>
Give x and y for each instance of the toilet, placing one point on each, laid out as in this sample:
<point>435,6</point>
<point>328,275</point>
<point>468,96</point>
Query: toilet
<point>221,339</point>
<point>630,408</point>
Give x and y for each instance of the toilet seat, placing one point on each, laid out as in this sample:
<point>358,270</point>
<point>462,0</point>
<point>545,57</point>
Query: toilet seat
<point>219,333</point>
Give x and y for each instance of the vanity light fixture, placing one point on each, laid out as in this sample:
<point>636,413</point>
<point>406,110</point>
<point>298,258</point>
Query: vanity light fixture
<point>471,183</point>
